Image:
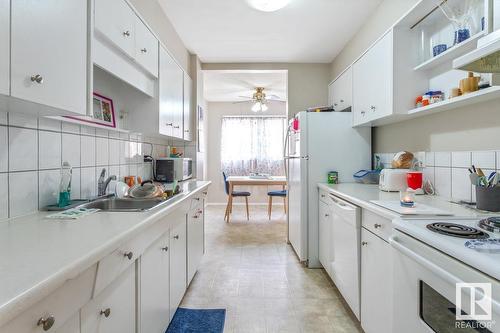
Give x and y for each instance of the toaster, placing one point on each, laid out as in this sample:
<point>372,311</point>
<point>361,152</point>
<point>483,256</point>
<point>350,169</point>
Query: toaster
<point>393,180</point>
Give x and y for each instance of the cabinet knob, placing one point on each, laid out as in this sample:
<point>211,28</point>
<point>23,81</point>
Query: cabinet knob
<point>37,78</point>
<point>177,126</point>
<point>364,243</point>
<point>195,216</point>
<point>363,113</point>
<point>200,211</point>
<point>197,199</point>
<point>376,225</point>
<point>335,104</point>
<point>205,193</point>
<point>128,255</point>
<point>169,124</point>
<point>106,312</point>
<point>326,215</point>
<point>372,108</point>
<point>144,50</point>
<point>176,237</point>
<point>322,195</point>
<point>126,33</point>
<point>164,248</point>
<point>46,322</point>
<point>341,101</point>
<point>187,131</point>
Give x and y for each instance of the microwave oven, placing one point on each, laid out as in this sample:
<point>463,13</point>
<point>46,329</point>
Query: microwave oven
<point>168,170</point>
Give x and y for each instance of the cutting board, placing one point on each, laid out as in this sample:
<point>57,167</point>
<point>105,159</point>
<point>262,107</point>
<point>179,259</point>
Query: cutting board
<point>419,209</point>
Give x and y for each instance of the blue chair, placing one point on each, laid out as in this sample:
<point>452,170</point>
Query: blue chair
<point>279,194</point>
<point>229,207</point>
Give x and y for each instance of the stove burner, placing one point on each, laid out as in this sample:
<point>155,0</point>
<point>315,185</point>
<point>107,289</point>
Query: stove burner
<point>491,224</point>
<point>457,230</point>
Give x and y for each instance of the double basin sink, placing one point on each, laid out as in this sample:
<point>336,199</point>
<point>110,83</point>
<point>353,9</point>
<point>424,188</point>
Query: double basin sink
<point>113,204</point>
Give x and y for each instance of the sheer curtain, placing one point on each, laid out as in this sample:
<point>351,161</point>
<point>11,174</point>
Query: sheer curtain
<point>252,144</point>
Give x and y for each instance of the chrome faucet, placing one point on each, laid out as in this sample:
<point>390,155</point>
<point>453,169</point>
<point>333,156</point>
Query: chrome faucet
<point>102,184</point>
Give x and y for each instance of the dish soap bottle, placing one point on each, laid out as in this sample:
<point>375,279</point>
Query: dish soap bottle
<point>65,185</point>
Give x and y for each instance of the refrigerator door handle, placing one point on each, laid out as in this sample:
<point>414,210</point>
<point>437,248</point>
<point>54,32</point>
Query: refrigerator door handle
<point>297,157</point>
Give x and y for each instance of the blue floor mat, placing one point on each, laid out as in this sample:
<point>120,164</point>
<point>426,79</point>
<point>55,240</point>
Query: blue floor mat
<point>197,321</point>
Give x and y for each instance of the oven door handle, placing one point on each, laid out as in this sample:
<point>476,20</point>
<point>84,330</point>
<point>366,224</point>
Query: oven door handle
<point>448,277</point>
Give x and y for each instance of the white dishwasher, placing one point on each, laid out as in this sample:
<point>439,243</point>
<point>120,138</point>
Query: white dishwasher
<point>346,264</point>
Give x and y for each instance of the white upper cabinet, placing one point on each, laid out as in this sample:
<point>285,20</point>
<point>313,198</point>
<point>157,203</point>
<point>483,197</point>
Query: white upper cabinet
<point>341,91</point>
<point>188,95</point>
<point>171,96</point>
<point>4,46</point>
<point>49,53</point>
<point>373,82</point>
<point>116,21</point>
<point>146,48</point>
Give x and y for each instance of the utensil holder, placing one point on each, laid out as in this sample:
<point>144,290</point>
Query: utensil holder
<point>488,198</point>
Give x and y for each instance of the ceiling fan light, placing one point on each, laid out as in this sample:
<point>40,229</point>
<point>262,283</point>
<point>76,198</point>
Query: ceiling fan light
<point>268,5</point>
<point>264,107</point>
<point>256,107</point>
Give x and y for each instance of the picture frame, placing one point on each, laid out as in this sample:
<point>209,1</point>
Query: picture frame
<point>103,112</point>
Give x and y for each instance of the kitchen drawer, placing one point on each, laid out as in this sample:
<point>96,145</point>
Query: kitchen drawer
<point>146,48</point>
<point>113,310</point>
<point>379,225</point>
<point>61,306</point>
<point>323,196</point>
<point>111,266</point>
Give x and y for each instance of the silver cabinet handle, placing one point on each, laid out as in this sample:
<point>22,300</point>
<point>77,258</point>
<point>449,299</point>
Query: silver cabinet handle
<point>364,243</point>
<point>176,237</point>
<point>200,211</point>
<point>144,50</point>
<point>197,199</point>
<point>169,124</point>
<point>195,216</point>
<point>164,248</point>
<point>126,33</point>
<point>363,113</point>
<point>376,225</point>
<point>37,78</point>
<point>326,215</point>
<point>322,195</point>
<point>187,131</point>
<point>46,322</point>
<point>372,108</point>
<point>341,101</point>
<point>177,126</point>
<point>128,255</point>
<point>106,312</point>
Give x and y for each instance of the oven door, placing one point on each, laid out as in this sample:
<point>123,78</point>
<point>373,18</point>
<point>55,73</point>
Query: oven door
<point>425,283</point>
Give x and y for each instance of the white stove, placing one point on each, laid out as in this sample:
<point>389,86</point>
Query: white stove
<point>436,276</point>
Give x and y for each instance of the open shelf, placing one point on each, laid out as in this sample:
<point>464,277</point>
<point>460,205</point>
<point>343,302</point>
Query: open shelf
<point>450,54</point>
<point>88,124</point>
<point>456,102</point>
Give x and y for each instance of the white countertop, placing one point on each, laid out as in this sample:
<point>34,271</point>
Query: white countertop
<point>37,255</point>
<point>362,194</point>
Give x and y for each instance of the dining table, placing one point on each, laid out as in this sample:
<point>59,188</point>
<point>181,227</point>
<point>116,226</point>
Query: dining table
<point>250,181</point>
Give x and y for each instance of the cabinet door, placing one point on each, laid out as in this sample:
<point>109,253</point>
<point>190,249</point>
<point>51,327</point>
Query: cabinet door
<point>4,46</point>
<point>177,266</point>
<point>72,325</point>
<point>187,119</point>
<point>361,91</point>
<point>376,284</point>
<point>325,232</point>
<point>330,94</point>
<point>195,240</point>
<point>115,21</point>
<point>343,87</point>
<point>113,310</point>
<point>49,53</point>
<point>146,48</point>
<point>171,96</point>
<point>154,286</point>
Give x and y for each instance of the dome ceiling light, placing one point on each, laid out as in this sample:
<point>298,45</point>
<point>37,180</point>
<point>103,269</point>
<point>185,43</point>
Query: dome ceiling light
<point>268,5</point>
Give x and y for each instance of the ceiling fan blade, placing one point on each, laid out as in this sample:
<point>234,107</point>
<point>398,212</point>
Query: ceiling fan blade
<point>247,97</point>
<point>239,102</point>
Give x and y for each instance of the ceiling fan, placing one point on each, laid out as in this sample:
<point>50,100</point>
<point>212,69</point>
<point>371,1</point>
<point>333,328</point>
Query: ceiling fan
<point>260,99</point>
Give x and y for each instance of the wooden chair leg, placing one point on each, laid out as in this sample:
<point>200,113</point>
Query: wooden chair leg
<point>248,213</point>
<point>270,207</point>
<point>284,204</point>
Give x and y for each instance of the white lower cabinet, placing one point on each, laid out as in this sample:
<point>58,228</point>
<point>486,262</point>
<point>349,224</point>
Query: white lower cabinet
<point>177,265</point>
<point>376,284</point>
<point>155,286</point>
<point>325,236</point>
<point>196,239</point>
<point>114,309</point>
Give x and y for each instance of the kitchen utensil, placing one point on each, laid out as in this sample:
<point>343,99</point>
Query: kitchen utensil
<point>469,84</point>
<point>393,180</point>
<point>145,190</point>
<point>474,179</point>
<point>493,179</point>
<point>488,198</point>
<point>121,189</point>
<point>402,160</point>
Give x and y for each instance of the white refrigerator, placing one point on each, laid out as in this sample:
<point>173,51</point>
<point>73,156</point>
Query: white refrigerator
<point>324,142</point>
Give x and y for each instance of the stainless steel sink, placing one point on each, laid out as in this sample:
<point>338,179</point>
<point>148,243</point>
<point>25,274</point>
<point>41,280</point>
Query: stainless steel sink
<point>123,205</point>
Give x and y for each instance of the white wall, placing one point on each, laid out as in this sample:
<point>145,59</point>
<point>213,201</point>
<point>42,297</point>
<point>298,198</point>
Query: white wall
<point>306,82</point>
<point>215,112</point>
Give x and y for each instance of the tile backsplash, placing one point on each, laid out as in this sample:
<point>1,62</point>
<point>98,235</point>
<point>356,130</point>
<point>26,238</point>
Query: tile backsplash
<point>33,149</point>
<point>447,171</point>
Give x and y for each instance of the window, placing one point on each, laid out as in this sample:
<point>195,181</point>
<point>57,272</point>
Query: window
<point>252,144</point>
